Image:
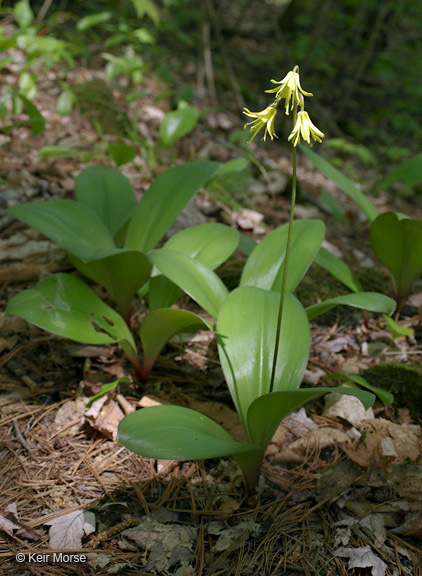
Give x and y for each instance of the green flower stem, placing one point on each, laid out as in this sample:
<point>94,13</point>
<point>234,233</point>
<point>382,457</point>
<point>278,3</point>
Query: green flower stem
<point>286,259</point>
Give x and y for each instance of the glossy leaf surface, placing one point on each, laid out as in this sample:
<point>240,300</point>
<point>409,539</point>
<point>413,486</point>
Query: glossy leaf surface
<point>267,411</point>
<point>246,330</point>
<point>371,301</point>
<point>163,202</point>
<point>176,433</point>
<point>69,224</point>
<point>108,194</point>
<point>338,269</point>
<point>160,326</point>
<point>178,123</point>
<point>264,267</point>
<point>64,305</point>
<point>201,283</point>
<point>397,243</point>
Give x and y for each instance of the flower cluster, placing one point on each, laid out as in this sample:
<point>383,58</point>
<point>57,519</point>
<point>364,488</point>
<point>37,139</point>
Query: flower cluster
<point>289,90</point>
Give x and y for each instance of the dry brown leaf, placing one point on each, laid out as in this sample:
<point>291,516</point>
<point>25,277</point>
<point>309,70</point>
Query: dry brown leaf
<point>347,407</point>
<point>105,416</point>
<point>67,531</point>
<point>318,439</point>
<point>387,442</point>
<point>363,558</point>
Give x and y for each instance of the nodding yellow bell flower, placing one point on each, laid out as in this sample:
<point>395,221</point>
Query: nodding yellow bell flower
<point>305,129</point>
<point>290,90</point>
<point>264,119</point>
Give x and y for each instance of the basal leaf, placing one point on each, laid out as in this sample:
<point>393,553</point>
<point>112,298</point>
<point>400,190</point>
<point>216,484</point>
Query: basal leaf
<point>267,411</point>
<point>164,201</point>
<point>338,269</point>
<point>178,123</point>
<point>176,433</point>
<point>108,194</point>
<point>372,301</point>
<point>69,224</point>
<point>64,305</point>
<point>160,326</point>
<point>201,283</point>
<point>246,331</point>
<point>264,267</point>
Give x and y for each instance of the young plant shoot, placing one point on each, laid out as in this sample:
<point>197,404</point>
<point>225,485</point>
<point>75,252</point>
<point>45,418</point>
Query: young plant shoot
<point>263,331</point>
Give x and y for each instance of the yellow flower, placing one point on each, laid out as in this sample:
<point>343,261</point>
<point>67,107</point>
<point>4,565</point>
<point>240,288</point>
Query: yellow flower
<point>264,119</point>
<point>306,129</point>
<point>290,89</point>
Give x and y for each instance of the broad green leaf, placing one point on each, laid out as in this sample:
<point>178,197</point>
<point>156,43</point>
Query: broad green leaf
<point>122,273</point>
<point>178,123</point>
<point>93,20</point>
<point>64,305</point>
<point>164,201</point>
<point>23,14</point>
<point>267,411</point>
<point>201,283</point>
<point>66,101</point>
<point>265,266</point>
<point>386,397</point>
<point>397,243</point>
<point>209,243</point>
<point>409,172</point>
<point>147,8</point>
<point>36,119</point>
<point>105,389</point>
<point>371,301</point>
<point>330,204</point>
<point>121,153</point>
<point>27,85</point>
<point>163,293</point>
<point>247,244</point>
<point>342,182</point>
<point>233,165</point>
<point>60,152</point>
<point>338,269</point>
<point>176,433</point>
<point>69,224</point>
<point>160,326</point>
<point>107,193</point>
<point>246,332</point>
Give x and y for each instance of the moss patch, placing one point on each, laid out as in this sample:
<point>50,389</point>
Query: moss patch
<point>402,380</point>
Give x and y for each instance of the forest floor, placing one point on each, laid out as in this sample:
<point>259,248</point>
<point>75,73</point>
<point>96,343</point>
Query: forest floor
<point>340,489</point>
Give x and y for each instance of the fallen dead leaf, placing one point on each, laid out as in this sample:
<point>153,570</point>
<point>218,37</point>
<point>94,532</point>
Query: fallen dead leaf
<point>363,558</point>
<point>387,442</point>
<point>347,407</point>
<point>67,531</point>
<point>317,439</point>
<point>105,416</point>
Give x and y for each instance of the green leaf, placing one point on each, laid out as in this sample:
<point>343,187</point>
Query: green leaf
<point>342,182</point>
<point>69,224</point>
<point>121,272</point>
<point>264,267</point>
<point>397,243</point>
<point>108,194</point>
<point>27,85</point>
<point>23,13</point>
<point>338,269</point>
<point>395,329</point>
<point>386,397</point>
<point>66,101</point>
<point>178,123</point>
<point>210,243</point>
<point>246,333</point>
<point>160,326</point>
<point>93,20</point>
<point>176,433</point>
<point>64,305</point>
<point>268,410</point>
<point>60,152</point>
<point>36,119</point>
<point>121,153</point>
<point>371,301</point>
<point>409,172</point>
<point>330,204</point>
<point>201,283</point>
<point>163,202</point>
<point>105,389</point>
<point>233,165</point>
<point>247,244</point>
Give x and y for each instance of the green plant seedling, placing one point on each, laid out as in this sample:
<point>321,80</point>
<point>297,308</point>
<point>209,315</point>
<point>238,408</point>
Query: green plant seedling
<point>178,123</point>
<point>395,329</point>
<point>397,242</point>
